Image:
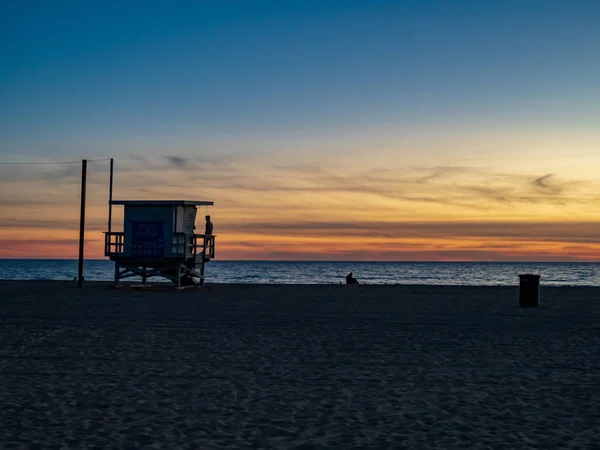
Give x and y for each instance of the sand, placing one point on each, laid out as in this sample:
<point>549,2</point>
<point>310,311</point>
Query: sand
<point>298,367</point>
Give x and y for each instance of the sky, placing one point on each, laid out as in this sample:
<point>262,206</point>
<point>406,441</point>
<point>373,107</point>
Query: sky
<point>322,130</point>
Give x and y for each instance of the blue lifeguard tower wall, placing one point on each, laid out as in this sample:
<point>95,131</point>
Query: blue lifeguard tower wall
<point>149,229</point>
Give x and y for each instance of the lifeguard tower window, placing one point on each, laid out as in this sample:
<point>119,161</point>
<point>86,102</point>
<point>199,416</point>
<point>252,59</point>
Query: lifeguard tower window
<point>158,240</point>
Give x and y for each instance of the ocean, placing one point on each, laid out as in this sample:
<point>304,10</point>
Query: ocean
<point>312,272</point>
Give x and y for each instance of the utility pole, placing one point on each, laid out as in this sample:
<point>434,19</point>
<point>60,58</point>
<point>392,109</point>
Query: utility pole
<point>110,195</point>
<point>82,221</point>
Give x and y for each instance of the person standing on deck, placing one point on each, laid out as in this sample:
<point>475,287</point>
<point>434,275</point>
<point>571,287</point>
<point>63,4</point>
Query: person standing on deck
<point>207,237</point>
<point>208,231</point>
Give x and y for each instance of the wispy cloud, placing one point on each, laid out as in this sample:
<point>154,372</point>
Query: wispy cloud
<point>410,252</point>
<point>43,225</point>
<point>338,201</point>
<point>447,230</point>
<point>177,161</point>
<point>465,187</point>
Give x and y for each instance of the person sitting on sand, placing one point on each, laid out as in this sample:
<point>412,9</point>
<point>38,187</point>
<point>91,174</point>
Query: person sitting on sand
<point>350,279</point>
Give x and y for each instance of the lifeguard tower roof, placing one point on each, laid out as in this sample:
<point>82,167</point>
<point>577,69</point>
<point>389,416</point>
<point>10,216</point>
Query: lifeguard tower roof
<point>162,202</point>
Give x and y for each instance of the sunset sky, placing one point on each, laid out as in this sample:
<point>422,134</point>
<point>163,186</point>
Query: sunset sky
<point>322,130</point>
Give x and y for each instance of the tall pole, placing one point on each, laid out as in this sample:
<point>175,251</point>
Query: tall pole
<point>110,196</point>
<point>82,221</point>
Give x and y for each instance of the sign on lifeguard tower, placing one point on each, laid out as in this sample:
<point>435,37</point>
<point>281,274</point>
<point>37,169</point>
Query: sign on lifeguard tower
<point>147,239</point>
<point>158,240</point>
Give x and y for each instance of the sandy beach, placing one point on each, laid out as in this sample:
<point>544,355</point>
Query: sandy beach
<point>301,367</point>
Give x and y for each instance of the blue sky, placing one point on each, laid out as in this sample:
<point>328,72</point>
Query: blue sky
<point>217,69</point>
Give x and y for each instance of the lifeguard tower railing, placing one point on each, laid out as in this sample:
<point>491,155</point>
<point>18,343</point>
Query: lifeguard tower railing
<point>197,247</point>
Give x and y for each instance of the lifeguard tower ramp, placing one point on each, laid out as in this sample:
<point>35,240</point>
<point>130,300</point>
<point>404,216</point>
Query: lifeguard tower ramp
<point>158,240</point>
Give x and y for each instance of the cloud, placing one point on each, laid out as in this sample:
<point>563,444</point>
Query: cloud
<point>542,181</point>
<point>503,195</point>
<point>439,172</point>
<point>567,232</point>
<point>8,243</point>
<point>26,201</point>
<point>41,173</point>
<point>29,244</point>
<point>177,161</point>
<point>91,224</point>
<point>184,163</point>
<point>453,186</point>
<point>337,203</point>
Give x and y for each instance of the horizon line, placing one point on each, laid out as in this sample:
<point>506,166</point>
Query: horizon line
<point>334,261</point>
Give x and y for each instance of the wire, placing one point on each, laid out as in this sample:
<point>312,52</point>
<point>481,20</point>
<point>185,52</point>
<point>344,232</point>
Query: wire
<point>37,163</point>
<point>50,163</point>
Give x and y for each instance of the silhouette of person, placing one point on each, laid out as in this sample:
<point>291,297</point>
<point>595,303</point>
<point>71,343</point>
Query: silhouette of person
<point>209,227</point>
<point>350,279</point>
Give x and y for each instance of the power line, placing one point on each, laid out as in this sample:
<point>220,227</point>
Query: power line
<point>50,163</point>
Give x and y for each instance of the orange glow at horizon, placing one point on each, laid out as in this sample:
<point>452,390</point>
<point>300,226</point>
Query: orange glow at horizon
<point>235,246</point>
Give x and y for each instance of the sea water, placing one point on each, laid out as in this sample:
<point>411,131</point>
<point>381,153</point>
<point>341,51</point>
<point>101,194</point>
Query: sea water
<point>312,272</point>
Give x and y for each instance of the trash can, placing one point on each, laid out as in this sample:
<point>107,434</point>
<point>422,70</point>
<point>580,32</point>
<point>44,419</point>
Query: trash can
<point>529,291</point>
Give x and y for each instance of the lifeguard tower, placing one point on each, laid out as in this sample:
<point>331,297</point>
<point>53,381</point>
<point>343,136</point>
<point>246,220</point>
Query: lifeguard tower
<point>158,240</point>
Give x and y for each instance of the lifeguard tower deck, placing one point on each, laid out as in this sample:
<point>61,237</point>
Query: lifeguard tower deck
<point>158,240</point>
